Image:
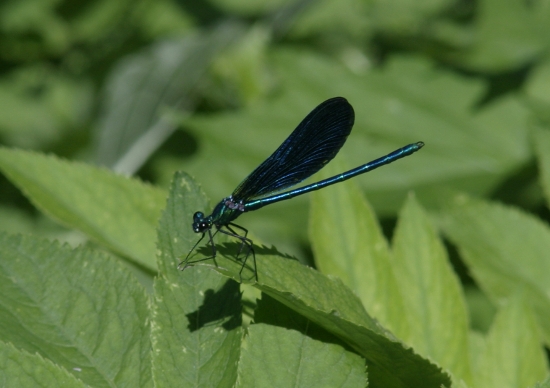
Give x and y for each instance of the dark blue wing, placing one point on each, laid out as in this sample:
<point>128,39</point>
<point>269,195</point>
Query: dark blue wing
<point>313,144</point>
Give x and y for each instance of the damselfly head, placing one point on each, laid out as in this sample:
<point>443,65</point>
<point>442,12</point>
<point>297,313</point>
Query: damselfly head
<point>200,223</point>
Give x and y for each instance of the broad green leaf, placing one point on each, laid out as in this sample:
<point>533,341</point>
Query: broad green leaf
<point>21,369</point>
<point>505,249</point>
<point>348,242</point>
<point>196,330</point>
<point>118,212</point>
<point>325,301</point>
<point>513,356</point>
<point>542,144</point>
<point>196,327</point>
<point>348,369</point>
<point>145,86</point>
<point>277,357</point>
<point>328,303</point>
<point>79,309</point>
<point>272,312</point>
<point>432,293</point>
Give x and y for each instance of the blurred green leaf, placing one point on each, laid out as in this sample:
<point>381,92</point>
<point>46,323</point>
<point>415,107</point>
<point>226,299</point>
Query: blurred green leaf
<point>41,105</point>
<point>36,25</point>
<point>431,292</point>
<point>404,16</point>
<point>482,311</point>
<point>242,69</point>
<point>145,86</point>
<point>506,35</point>
<point>118,212</point>
<point>505,249</point>
<point>245,7</point>
<point>37,29</point>
<point>161,18</point>
<point>543,384</point>
<point>512,355</point>
<point>337,22</point>
<point>536,89</point>
<point>541,143</point>
<point>98,20</point>
<point>415,294</point>
<point>348,243</point>
<point>79,309</point>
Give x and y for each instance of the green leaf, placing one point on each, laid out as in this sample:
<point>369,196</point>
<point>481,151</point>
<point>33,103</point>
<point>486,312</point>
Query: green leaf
<point>344,21</point>
<point>79,309</point>
<point>196,330</point>
<point>101,21</point>
<point>536,90</point>
<point>542,144</point>
<point>507,35</point>
<point>23,19</point>
<point>38,120</point>
<point>432,293</point>
<point>144,86</point>
<point>20,369</point>
<point>513,355</point>
<point>278,357</point>
<point>325,301</point>
<point>271,312</point>
<point>481,310</point>
<point>242,69</point>
<point>405,17</point>
<point>196,326</point>
<point>348,243</point>
<point>331,305</point>
<point>505,249</point>
<point>543,384</point>
<point>116,211</point>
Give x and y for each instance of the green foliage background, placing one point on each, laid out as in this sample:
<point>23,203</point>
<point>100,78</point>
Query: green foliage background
<point>441,279</point>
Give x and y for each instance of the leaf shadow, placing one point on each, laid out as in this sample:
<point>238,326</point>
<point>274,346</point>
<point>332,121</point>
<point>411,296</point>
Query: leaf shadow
<point>222,305</point>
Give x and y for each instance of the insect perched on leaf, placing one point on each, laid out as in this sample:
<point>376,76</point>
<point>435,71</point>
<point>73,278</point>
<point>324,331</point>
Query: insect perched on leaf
<point>314,143</point>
